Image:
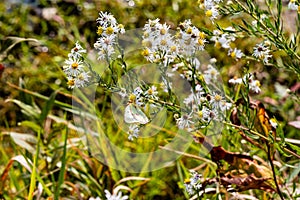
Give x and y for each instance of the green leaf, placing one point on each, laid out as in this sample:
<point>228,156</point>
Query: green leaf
<point>24,140</point>
<point>48,107</point>
<point>294,147</point>
<point>28,110</point>
<point>294,173</point>
<point>30,124</point>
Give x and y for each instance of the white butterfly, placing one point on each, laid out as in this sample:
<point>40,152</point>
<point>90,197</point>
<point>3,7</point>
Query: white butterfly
<point>135,115</point>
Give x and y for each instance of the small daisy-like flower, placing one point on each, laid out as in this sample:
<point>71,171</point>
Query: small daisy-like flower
<point>261,51</point>
<point>211,74</point>
<point>114,196</point>
<point>94,198</point>
<point>77,51</point>
<point>254,85</point>
<point>222,40</point>
<point>133,131</point>
<point>273,123</point>
<point>235,80</point>
<point>123,92</point>
<point>193,184</point>
<point>152,92</point>
<point>212,13</point>
<point>184,121</point>
<point>235,53</point>
<point>292,5</point>
<point>216,101</point>
<point>78,81</point>
<point>206,114</point>
<point>73,67</point>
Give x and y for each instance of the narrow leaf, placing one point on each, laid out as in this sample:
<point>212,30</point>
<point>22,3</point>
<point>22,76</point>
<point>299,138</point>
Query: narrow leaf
<point>48,107</point>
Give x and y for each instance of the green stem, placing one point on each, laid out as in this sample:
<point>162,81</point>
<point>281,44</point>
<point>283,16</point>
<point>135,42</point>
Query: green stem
<point>34,168</point>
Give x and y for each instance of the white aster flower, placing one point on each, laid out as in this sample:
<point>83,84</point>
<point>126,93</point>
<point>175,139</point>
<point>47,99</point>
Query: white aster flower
<point>73,67</point>
<point>261,51</point>
<point>184,121</point>
<point>78,81</point>
<point>193,184</point>
<point>152,93</point>
<point>77,51</point>
<point>292,5</point>
<point>114,196</point>
<point>235,53</point>
<point>133,131</point>
<point>273,123</point>
<point>211,74</point>
<point>254,85</point>
<point>235,80</point>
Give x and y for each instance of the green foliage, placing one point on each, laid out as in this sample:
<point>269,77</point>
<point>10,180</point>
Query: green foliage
<point>45,152</point>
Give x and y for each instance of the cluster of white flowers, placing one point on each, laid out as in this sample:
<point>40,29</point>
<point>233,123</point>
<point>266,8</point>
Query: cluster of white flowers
<point>211,8</point>
<point>160,46</point>
<point>224,40</point>
<point>248,79</point>
<point>108,30</point>
<point>193,184</point>
<point>204,107</point>
<point>262,51</point>
<point>74,69</point>
<point>293,5</point>
<point>113,196</point>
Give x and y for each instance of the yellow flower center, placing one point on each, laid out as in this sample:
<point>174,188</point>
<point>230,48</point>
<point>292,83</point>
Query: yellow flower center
<point>145,52</point>
<point>232,54</point>
<point>163,42</point>
<point>71,82</point>
<point>146,43</point>
<point>202,35</point>
<point>109,30</point>
<point>80,77</point>
<point>146,34</point>
<point>218,45</point>
<point>218,97</point>
<point>200,114</point>
<point>173,48</point>
<point>163,31</point>
<point>150,91</point>
<point>178,35</point>
<point>200,41</point>
<point>189,30</point>
<point>257,83</point>
<point>132,98</point>
<point>187,181</point>
<point>120,26</point>
<point>209,13</point>
<point>75,65</point>
<point>100,30</point>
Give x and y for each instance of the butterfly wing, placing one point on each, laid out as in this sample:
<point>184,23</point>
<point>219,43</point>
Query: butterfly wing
<point>135,115</point>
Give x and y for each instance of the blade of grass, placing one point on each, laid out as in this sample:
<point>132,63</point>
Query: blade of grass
<point>34,167</point>
<point>63,164</point>
<point>46,109</point>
